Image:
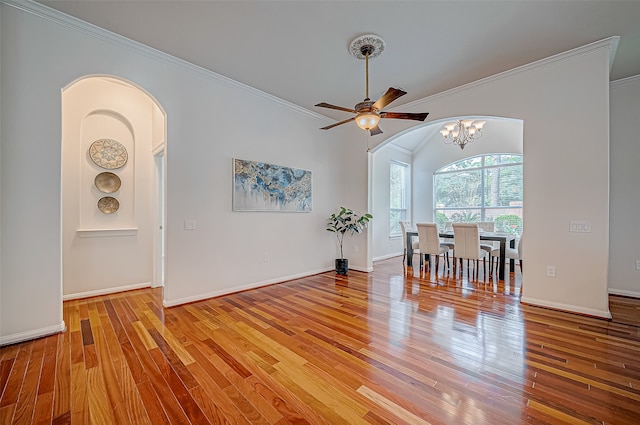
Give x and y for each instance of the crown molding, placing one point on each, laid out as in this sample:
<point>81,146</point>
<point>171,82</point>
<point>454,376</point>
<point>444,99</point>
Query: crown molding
<point>52,15</point>
<point>624,81</point>
<point>610,43</point>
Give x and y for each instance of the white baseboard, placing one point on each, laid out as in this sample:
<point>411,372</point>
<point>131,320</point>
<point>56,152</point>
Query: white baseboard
<point>105,291</point>
<point>385,257</point>
<point>606,314</point>
<point>624,293</point>
<point>213,294</point>
<point>361,269</point>
<point>29,335</point>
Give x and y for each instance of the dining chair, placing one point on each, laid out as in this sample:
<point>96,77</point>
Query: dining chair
<point>429,244</point>
<point>406,226</point>
<point>510,253</point>
<point>449,242</point>
<point>467,239</point>
<point>487,226</point>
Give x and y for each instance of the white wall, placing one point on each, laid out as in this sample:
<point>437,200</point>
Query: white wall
<point>624,240</point>
<point>384,246</point>
<point>107,252</point>
<point>204,132</point>
<point>565,173</point>
<point>30,174</point>
<point>1,184</point>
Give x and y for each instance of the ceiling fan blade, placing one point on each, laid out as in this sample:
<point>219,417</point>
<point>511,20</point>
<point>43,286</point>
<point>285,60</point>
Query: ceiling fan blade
<point>338,123</point>
<point>375,130</point>
<point>404,115</point>
<point>391,95</point>
<point>339,108</point>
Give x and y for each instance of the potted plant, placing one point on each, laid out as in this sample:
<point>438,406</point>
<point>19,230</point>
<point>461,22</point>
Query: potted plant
<point>346,221</point>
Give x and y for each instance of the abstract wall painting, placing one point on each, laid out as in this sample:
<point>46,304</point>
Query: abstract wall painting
<point>258,186</point>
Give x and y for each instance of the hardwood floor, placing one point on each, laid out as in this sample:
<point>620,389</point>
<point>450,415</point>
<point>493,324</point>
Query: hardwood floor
<point>625,309</point>
<point>393,346</point>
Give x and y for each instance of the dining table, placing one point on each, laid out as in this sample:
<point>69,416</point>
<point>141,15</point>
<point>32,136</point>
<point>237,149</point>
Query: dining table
<point>501,237</point>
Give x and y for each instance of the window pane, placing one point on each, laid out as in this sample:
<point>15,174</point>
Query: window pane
<point>503,186</point>
<point>460,195</point>
<point>397,196</point>
<point>464,164</point>
<point>510,159</point>
<point>491,160</point>
<point>462,189</point>
<point>397,185</point>
<point>467,215</point>
<point>396,216</point>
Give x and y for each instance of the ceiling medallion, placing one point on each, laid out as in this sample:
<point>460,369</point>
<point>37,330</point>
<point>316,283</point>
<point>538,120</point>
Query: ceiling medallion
<point>369,43</point>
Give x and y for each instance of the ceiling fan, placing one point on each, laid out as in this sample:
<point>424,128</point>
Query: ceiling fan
<point>369,112</point>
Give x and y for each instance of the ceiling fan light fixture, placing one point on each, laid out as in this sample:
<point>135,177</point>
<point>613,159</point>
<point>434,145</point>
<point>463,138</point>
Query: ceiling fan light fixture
<point>369,112</point>
<point>367,120</point>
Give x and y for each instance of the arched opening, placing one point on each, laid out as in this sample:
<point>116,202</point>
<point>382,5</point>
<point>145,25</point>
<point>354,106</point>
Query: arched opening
<point>421,151</point>
<point>112,199</point>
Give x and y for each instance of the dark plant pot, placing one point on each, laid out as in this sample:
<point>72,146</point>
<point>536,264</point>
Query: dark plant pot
<point>342,265</point>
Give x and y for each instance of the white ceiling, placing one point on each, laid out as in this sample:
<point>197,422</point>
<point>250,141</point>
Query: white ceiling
<point>297,50</point>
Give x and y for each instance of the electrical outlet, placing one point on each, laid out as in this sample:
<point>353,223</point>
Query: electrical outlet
<point>266,257</point>
<point>638,265</point>
<point>189,225</point>
<point>551,271</point>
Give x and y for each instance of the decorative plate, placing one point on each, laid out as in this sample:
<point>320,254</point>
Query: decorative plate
<point>108,153</point>
<point>107,182</point>
<point>108,204</point>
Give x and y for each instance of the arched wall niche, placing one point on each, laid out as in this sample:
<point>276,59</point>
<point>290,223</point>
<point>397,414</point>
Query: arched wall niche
<point>108,246</point>
<point>105,128</point>
<point>115,115</point>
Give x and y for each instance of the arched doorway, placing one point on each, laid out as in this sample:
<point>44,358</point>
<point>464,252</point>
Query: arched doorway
<point>111,130</point>
<point>422,150</point>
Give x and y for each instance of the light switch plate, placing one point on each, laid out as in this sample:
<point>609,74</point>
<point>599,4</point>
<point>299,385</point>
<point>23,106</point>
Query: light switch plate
<point>189,225</point>
<point>580,226</point>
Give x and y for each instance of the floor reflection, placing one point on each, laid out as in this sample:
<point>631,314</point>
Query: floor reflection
<point>461,316</point>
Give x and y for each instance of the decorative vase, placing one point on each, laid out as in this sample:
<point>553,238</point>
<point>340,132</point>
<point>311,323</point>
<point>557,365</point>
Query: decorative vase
<point>342,266</point>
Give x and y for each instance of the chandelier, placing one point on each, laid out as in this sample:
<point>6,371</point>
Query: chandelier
<point>462,132</point>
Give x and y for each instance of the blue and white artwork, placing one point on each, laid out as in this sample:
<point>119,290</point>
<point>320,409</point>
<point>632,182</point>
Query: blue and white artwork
<point>258,186</point>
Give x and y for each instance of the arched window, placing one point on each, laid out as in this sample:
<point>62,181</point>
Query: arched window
<point>481,188</point>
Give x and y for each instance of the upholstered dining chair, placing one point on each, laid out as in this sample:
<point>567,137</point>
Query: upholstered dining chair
<point>509,254</point>
<point>467,239</point>
<point>429,244</point>
<point>487,226</point>
<point>406,226</point>
<point>447,241</point>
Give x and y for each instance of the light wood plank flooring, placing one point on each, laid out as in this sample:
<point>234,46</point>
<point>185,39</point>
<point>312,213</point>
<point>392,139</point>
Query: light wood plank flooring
<point>394,346</point>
